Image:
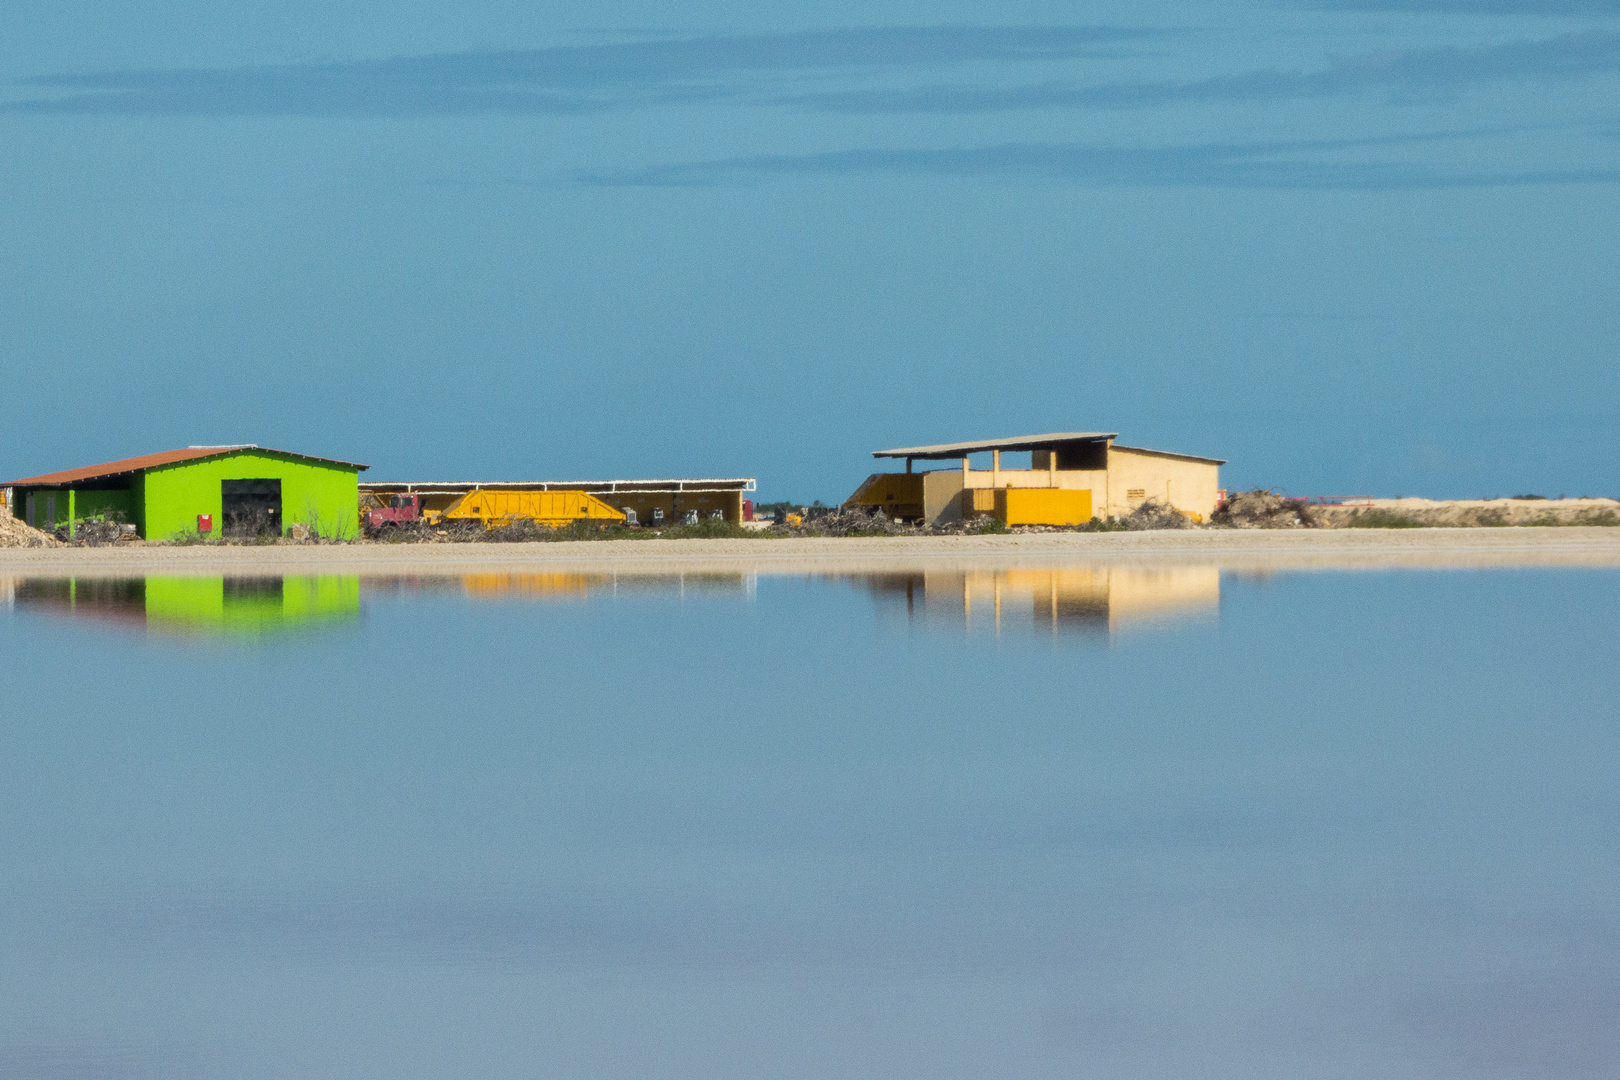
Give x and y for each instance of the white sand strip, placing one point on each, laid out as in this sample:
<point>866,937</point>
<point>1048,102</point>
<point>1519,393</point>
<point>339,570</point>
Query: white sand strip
<point>1234,549</point>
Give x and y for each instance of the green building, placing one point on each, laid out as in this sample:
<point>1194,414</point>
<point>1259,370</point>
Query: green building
<point>213,490</point>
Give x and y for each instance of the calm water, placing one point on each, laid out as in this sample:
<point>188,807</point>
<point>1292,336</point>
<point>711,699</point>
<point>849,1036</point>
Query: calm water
<point>1023,823</point>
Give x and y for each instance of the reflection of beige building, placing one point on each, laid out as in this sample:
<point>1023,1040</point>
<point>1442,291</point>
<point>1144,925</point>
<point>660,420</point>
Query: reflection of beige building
<point>1070,475</point>
<point>1073,598</point>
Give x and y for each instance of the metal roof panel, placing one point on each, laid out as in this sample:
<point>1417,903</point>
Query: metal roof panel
<point>153,461</point>
<point>1020,442</point>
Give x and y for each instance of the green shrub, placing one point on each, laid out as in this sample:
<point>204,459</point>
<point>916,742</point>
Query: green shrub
<point>1384,519</point>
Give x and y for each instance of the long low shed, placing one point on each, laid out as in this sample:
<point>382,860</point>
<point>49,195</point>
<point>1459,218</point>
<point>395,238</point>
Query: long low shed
<point>649,499</point>
<point>1072,476</point>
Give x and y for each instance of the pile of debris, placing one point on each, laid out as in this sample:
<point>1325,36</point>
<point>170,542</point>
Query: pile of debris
<point>14,533</point>
<point>850,521</point>
<point>1262,509</point>
<point>1154,514</point>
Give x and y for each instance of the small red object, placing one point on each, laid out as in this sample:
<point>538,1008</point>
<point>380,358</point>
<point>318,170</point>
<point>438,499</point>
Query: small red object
<point>205,523</point>
<point>748,509</point>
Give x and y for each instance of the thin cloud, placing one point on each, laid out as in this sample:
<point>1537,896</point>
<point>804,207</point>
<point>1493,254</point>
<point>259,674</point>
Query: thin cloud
<point>1410,70</point>
<point>1300,164</point>
<point>557,80</point>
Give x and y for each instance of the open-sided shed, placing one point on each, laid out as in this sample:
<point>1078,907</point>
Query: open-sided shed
<point>215,490</point>
<point>1072,476</point>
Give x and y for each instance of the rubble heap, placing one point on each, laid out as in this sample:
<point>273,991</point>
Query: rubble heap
<point>14,533</point>
<point>1153,514</point>
<point>852,521</point>
<point>1262,509</point>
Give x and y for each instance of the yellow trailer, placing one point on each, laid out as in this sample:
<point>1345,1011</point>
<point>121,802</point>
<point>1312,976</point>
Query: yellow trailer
<point>495,507</point>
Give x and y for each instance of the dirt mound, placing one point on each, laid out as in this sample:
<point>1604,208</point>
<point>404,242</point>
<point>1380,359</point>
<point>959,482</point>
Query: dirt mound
<point>1154,514</point>
<point>1472,513</point>
<point>14,533</point>
<point>1262,509</point>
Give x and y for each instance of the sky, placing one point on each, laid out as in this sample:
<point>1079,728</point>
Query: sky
<point>1361,247</point>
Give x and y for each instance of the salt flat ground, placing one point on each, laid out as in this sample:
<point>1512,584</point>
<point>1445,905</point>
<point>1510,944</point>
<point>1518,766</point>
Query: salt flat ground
<point>1365,548</point>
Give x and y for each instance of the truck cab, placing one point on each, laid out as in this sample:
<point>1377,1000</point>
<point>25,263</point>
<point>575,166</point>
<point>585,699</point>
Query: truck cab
<point>400,510</point>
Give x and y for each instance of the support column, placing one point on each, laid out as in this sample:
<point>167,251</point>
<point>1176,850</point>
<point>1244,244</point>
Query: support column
<point>73,512</point>
<point>995,468</point>
<point>908,466</point>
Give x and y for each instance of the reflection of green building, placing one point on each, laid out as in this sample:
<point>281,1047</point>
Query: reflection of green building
<point>214,490</point>
<point>212,606</point>
<point>249,606</point>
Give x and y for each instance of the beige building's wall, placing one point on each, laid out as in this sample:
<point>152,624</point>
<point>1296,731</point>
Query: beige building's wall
<point>942,497</point>
<point>1071,480</point>
<point>1134,476</point>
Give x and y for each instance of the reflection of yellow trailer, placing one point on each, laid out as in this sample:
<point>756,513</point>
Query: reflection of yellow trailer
<point>495,507</point>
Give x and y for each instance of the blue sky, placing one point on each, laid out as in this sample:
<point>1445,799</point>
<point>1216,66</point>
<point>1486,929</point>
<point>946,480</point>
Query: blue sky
<point>1352,247</point>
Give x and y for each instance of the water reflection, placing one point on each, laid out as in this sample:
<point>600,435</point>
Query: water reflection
<point>1073,599</point>
<point>1054,599</point>
<point>207,605</point>
<point>1083,600</point>
<point>575,585</point>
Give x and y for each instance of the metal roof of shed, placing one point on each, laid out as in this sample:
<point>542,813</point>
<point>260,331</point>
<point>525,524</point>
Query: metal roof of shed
<point>152,461</point>
<point>459,487</point>
<point>1020,442</point>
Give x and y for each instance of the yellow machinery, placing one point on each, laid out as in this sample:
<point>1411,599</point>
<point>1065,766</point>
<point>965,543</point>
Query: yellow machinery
<point>899,494</point>
<point>495,507</point>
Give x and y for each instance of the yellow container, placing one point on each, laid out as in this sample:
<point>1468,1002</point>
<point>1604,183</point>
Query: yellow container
<point>899,494</point>
<point>1041,506</point>
<point>496,507</point>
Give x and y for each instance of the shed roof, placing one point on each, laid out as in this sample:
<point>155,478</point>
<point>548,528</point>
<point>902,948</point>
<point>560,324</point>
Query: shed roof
<point>1020,442</point>
<point>625,487</point>
<point>152,461</point>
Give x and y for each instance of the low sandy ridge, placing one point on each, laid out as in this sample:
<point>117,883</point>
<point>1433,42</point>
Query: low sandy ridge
<point>1472,513</point>
<point>1236,549</point>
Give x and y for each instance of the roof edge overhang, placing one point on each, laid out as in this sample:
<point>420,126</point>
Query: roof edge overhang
<point>1048,441</point>
<point>145,463</point>
<point>1170,454</point>
<point>459,487</point>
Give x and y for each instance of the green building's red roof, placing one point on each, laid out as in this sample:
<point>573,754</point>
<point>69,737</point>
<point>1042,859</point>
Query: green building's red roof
<point>152,461</point>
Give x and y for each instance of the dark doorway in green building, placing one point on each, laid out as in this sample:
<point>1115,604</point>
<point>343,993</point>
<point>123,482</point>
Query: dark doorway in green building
<point>251,507</point>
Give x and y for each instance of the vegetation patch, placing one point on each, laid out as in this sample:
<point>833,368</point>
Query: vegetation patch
<point>1385,519</point>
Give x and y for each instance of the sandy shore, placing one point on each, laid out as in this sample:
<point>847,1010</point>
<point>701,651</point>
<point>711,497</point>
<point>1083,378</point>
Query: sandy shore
<point>1235,549</point>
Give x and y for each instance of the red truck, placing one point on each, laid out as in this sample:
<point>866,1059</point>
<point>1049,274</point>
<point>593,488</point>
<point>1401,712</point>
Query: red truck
<point>401,510</point>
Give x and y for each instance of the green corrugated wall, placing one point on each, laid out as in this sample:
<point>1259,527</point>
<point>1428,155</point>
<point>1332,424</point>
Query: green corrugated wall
<point>324,496</point>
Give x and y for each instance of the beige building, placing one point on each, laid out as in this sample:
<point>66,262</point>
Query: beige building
<point>1070,478</point>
